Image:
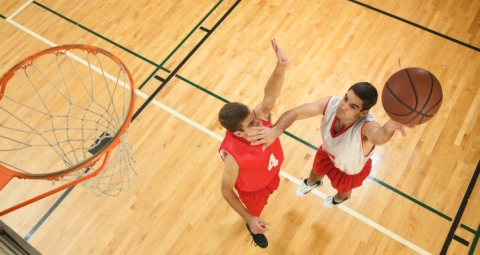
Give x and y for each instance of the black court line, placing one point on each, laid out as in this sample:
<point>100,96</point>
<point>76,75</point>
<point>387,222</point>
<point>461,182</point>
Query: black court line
<point>180,44</point>
<point>199,87</point>
<point>3,17</point>
<point>159,78</point>
<point>461,240</point>
<point>150,98</point>
<point>477,233</point>
<point>316,148</point>
<point>49,212</point>
<point>100,143</point>
<point>463,205</point>
<point>189,34</point>
<point>174,72</point>
<point>204,29</point>
<point>417,25</point>
<point>294,137</point>
<point>445,37</point>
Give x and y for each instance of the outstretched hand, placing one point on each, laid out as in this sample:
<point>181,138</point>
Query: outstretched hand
<point>397,126</point>
<point>258,225</point>
<point>263,135</point>
<point>281,57</point>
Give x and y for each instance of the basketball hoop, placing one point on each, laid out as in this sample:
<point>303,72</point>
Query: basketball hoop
<point>62,111</point>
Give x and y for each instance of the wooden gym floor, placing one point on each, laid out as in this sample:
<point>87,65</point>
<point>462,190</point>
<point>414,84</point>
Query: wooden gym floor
<point>218,51</point>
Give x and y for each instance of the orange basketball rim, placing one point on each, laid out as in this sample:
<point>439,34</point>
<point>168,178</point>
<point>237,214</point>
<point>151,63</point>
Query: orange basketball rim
<point>61,111</point>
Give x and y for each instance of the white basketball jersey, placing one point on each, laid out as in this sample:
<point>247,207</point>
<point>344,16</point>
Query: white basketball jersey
<point>345,148</point>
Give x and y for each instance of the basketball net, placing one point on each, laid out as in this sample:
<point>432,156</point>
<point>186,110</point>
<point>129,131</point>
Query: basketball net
<point>61,111</point>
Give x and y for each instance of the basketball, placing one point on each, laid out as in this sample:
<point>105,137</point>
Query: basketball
<point>412,96</point>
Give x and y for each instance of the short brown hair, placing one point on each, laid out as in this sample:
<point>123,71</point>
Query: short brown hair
<point>231,116</point>
<point>366,92</point>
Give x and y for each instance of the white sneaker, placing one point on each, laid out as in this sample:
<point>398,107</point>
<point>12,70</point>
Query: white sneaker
<point>328,201</point>
<point>304,188</point>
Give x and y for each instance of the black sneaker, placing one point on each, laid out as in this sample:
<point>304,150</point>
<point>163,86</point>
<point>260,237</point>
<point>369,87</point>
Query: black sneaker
<point>259,239</point>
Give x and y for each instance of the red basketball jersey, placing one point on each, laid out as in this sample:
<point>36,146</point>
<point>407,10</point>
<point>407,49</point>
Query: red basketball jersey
<point>257,167</point>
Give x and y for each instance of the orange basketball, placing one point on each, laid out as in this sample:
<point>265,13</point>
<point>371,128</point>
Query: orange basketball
<point>412,96</point>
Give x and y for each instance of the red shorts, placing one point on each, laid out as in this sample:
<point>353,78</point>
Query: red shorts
<point>341,181</point>
<point>255,201</point>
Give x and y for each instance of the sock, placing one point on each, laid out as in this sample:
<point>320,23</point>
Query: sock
<point>306,182</point>
<point>335,202</point>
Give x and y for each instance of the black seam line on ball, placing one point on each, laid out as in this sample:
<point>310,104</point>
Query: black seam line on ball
<point>429,95</point>
<point>413,88</point>
<point>408,122</point>
<point>408,107</point>
<point>398,99</point>
<point>426,115</point>
<point>420,121</point>
<point>439,101</point>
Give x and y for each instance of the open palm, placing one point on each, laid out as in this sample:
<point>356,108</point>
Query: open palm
<point>281,57</point>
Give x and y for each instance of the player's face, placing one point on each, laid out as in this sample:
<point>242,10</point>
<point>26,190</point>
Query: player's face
<point>251,121</point>
<point>350,107</point>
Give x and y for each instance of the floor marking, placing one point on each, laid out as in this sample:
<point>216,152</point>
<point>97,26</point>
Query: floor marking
<point>416,25</point>
<point>32,33</point>
<point>222,99</point>
<point>461,209</point>
<point>19,10</point>
<point>460,240</point>
<point>220,138</point>
<point>297,181</point>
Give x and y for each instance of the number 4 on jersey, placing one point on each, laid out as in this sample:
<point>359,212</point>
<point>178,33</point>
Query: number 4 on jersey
<point>273,162</point>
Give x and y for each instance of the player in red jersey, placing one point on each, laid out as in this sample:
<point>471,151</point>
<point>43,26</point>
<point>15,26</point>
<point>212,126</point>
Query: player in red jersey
<point>248,169</point>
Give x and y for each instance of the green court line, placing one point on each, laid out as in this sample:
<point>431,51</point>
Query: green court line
<point>410,198</point>
<point>191,32</point>
<point>301,140</point>
<point>202,89</point>
<point>468,229</point>
<point>101,36</point>
<point>3,17</point>
<point>316,148</point>
<point>182,42</point>
<point>149,77</point>
<point>226,101</point>
<point>475,241</point>
<point>130,51</point>
<point>176,48</point>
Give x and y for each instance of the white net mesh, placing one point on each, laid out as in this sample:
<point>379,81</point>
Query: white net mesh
<point>61,110</point>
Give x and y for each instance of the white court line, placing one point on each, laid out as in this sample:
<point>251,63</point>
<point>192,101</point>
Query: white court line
<point>19,10</point>
<point>30,32</point>
<point>220,138</point>
<point>296,181</point>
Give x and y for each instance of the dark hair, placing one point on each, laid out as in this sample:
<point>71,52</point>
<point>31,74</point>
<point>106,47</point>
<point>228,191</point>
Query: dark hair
<point>231,116</point>
<point>367,92</point>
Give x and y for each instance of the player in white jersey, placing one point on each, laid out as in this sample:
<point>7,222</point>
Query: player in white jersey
<point>349,134</point>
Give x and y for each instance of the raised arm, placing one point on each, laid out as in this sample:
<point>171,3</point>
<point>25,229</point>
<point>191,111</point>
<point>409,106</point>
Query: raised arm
<point>274,83</point>
<point>378,135</point>
<point>230,174</point>
<point>267,136</point>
